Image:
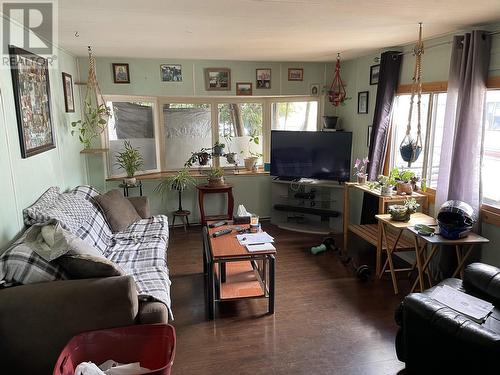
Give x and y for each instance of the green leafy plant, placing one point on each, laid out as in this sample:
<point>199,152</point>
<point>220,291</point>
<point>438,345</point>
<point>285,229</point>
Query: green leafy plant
<point>215,172</point>
<point>180,181</point>
<point>254,138</point>
<point>402,175</point>
<point>218,148</point>
<point>95,119</point>
<point>130,159</point>
<point>201,157</point>
<point>386,181</point>
<point>411,204</point>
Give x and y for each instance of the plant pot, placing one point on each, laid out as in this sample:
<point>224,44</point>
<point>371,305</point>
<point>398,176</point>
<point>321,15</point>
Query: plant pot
<point>410,152</point>
<point>130,181</point>
<point>216,181</point>
<point>404,188</point>
<point>361,179</point>
<point>250,162</point>
<point>400,212</point>
<point>217,150</point>
<point>330,122</point>
<point>203,158</point>
<point>386,191</point>
<point>231,158</point>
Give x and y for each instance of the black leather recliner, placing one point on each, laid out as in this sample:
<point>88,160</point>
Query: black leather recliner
<point>434,339</point>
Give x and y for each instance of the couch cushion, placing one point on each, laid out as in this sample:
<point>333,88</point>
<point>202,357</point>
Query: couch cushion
<point>88,266</point>
<point>34,213</point>
<point>119,212</point>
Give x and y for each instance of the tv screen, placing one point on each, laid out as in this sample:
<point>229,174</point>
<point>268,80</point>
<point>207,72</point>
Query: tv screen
<point>318,155</point>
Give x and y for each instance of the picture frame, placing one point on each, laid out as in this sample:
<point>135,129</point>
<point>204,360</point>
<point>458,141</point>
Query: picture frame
<point>171,72</point>
<point>315,89</point>
<point>295,74</point>
<point>363,102</point>
<point>217,79</point>
<point>369,135</point>
<point>374,73</point>
<point>263,78</point>
<point>30,81</point>
<point>244,88</point>
<point>121,73</point>
<point>69,99</point>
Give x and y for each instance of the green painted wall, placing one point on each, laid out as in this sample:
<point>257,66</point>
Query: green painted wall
<point>252,191</point>
<point>24,180</point>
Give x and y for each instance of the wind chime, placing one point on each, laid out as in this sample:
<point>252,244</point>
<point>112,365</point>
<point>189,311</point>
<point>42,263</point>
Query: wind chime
<point>337,93</point>
<point>410,148</point>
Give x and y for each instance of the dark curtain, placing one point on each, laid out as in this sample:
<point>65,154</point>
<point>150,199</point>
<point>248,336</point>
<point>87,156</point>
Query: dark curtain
<point>390,66</point>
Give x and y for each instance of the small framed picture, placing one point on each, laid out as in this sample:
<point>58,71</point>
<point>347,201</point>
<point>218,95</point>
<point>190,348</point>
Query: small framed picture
<point>69,100</point>
<point>374,71</point>
<point>315,89</point>
<point>217,79</point>
<point>244,88</point>
<point>121,73</point>
<point>263,78</point>
<point>171,72</point>
<point>295,74</point>
<point>363,102</point>
<point>369,136</point>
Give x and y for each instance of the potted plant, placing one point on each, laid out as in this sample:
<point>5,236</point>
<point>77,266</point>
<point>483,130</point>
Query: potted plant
<point>251,161</point>
<point>360,170</point>
<point>403,212</point>
<point>386,184</point>
<point>180,182</point>
<point>403,180</point>
<point>93,123</point>
<point>218,149</point>
<point>231,157</point>
<point>130,160</point>
<point>201,157</point>
<point>215,176</point>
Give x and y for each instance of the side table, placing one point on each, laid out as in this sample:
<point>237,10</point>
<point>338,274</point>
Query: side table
<point>207,189</point>
<point>126,188</point>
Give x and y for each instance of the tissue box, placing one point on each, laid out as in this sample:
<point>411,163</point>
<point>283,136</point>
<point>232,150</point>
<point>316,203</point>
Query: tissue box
<point>241,219</point>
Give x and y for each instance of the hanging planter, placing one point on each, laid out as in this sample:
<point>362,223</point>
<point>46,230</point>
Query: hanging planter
<point>410,148</point>
<point>337,94</point>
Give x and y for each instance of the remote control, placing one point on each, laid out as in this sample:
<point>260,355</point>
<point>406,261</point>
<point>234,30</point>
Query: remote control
<point>221,232</point>
<point>217,224</point>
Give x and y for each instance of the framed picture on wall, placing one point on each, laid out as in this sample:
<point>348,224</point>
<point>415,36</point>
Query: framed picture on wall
<point>217,79</point>
<point>374,71</point>
<point>263,78</point>
<point>244,88</point>
<point>171,72</point>
<point>69,100</point>
<point>363,102</point>
<point>295,74</point>
<point>30,81</point>
<point>315,89</point>
<point>121,73</point>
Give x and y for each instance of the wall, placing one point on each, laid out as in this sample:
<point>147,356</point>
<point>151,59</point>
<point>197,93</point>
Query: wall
<point>252,191</point>
<point>435,68</point>
<point>24,180</point>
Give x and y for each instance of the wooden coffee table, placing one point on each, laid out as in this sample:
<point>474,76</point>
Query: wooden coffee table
<point>233,273</point>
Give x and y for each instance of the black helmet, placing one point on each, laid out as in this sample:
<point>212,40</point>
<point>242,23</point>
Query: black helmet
<point>455,219</point>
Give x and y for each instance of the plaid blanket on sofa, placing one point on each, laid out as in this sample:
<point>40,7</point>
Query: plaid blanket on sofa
<point>140,250</point>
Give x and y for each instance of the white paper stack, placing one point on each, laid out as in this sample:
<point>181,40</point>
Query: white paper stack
<point>473,307</point>
<point>254,238</point>
<point>260,247</point>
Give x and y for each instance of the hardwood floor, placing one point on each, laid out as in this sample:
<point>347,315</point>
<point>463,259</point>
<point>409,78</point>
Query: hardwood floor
<point>326,321</point>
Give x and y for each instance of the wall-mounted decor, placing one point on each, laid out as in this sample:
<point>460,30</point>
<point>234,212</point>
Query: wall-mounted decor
<point>315,89</point>
<point>263,78</point>
<point>69,100</point>
<point>369,136</point>
<point>171,72</point>
<point>30,80</point>
<point>121,73</point>
<point>374,71</point>
<point>244,88</point>
<point>217,79</point>
<point>363,102</point>
<point>295,74</point>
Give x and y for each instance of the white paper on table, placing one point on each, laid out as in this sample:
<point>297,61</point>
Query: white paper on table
<point>473,307</point>
<point>260,247</point>
<point>253,238</point>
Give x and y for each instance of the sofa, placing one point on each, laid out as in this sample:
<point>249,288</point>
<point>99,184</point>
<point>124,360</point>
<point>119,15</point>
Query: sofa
<point>42,307</point>
<point>434,339</point>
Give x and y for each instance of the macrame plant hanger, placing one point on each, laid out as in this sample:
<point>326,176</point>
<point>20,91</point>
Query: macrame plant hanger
<point>337,93</point>
<point>411,148</point>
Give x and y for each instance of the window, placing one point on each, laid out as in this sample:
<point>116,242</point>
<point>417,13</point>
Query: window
<point>291,115</point>
<point>240,129</point>
<point>133,121</point>
<point>491,155</point>
<point>432,122</point>
<point>187,128</point>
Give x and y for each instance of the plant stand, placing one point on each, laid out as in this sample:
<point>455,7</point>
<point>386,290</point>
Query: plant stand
<point>184,216</point>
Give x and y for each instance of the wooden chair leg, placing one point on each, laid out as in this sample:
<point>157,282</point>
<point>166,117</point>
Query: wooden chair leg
<point>187,220</point>
<point>173,221</point>
<point>184,223</point>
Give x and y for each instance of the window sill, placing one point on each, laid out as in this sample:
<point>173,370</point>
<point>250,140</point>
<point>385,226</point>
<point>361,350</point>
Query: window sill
<point>490,214</point>
<point>194,173</point>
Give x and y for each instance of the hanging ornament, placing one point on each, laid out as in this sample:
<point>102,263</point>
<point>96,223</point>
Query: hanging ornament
<point>410,148</point>
<point>337,93</point>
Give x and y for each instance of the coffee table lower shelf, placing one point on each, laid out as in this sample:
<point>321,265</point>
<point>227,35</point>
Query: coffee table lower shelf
<point>241,282</point>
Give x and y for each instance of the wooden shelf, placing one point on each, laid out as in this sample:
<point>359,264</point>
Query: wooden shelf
<point>369,232</point>
<point>94,151</point>
<point>311,228</point>
<point>241,282</point>
<point>194,173</point>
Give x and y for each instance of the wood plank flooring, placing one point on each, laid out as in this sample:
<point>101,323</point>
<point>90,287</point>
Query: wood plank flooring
<point>326,321</point>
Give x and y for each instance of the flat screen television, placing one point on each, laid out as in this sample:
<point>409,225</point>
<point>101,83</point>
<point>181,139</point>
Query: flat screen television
<point>318,155</point>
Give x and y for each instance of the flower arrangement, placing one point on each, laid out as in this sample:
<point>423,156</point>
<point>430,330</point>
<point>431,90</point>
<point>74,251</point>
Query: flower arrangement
<point>360,169</point>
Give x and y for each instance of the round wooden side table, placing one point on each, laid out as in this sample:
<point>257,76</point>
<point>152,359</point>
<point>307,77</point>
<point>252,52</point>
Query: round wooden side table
<point>184,216</point>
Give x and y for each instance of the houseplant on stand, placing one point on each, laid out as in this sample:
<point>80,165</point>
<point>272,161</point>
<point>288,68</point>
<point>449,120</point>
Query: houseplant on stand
<point>386,184</point>
<point>231,157</point>
<point>403,212</point>
<point>180,182</point>
<point>215,176</point>
<point>360,170</point>
<point>403,179</point>
<point>130,160</point>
